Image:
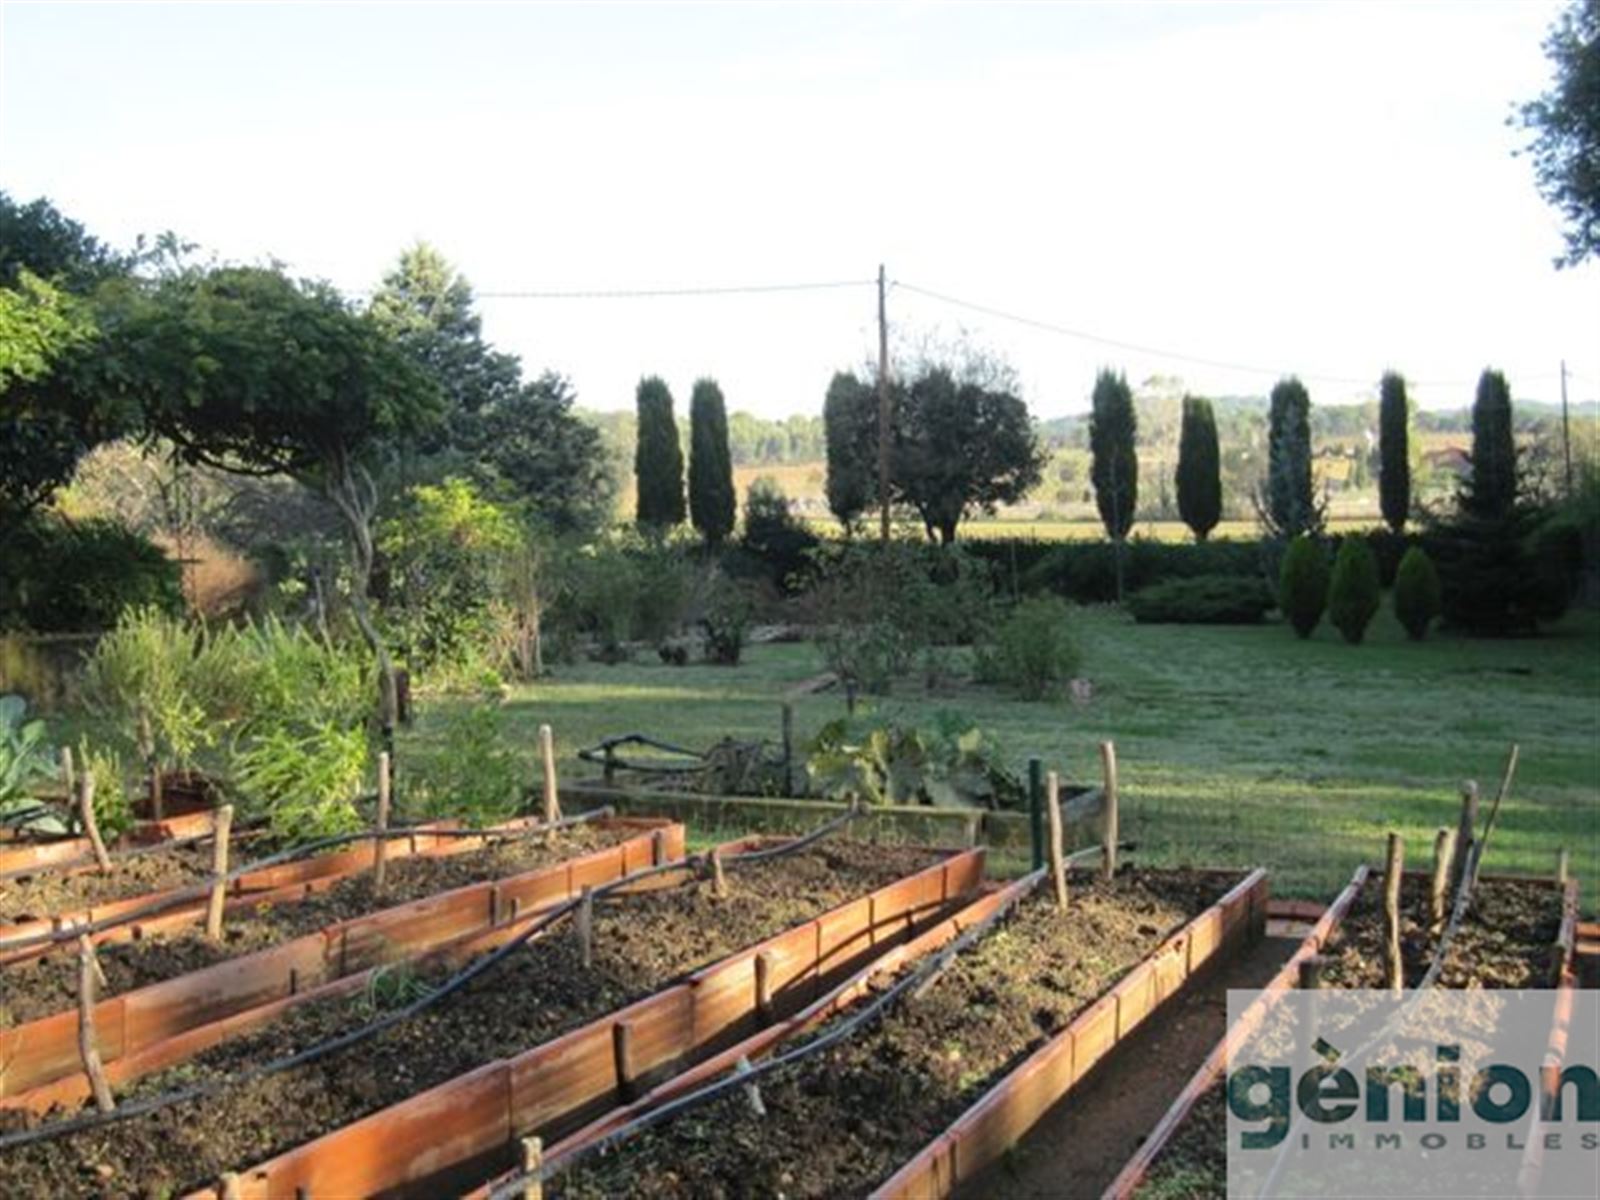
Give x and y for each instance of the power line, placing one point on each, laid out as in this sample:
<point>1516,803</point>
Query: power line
<point>1157,352</point>
<point>649,293</point>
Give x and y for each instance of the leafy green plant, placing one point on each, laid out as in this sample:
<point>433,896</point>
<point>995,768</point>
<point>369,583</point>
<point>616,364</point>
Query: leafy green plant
<point>881,761</point>
<point>470,772</point>
<point>142,677</point>
<point>26,759</point>
<point>1416,593</point>
<point>306,784</point>
<point>1206,600</point>
<point>1353,593</point>
<point>1303,584</point>
<point>113,810</point>
<point>1032,650</point>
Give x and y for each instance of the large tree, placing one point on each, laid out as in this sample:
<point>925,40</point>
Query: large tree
<point>960,446</point>
<point>1199,468</point>
<point>1288,504</point>
<point>247,370</point>
<point>1565,123</point>
<point>534,451</point>
<point>1489,492</point>
<point>1114,470</point>
<point>850,425</point>
<point>1394,451</point>
<point>711,498</point>
<point>657,458</point>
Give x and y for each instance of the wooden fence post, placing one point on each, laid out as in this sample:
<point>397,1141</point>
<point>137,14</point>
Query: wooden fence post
<point>1393,867</point>
<point>547,758</point>
<point>1058,866</point>
<point>380,842</point>
<point>91,826</point>
<point>88,1049</point>
<point>219,873</point>
<point>1108,769</point>
<point>1438,891</point>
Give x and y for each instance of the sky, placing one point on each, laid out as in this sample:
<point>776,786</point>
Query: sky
<point>1223,193</point>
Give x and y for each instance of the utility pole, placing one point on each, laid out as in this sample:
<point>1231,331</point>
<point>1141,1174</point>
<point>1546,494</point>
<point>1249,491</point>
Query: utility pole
<point>883,411</point>
<point>1566,427</point>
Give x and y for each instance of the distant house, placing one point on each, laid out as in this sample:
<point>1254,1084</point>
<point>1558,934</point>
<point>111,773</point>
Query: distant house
<point>1453,460</point>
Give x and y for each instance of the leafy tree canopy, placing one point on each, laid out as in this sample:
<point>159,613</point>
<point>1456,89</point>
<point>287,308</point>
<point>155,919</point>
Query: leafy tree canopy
<point>1565,124</point>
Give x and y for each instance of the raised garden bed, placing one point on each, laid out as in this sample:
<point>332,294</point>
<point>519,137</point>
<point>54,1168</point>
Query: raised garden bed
<point>1518,934</point>
<point>159,988</point>
<point>1011,1024</point>
<point>18,857</point>
<point>486,1029</point>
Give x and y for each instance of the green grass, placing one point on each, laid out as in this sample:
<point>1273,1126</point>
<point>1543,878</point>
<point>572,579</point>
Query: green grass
<point>1238,746</point>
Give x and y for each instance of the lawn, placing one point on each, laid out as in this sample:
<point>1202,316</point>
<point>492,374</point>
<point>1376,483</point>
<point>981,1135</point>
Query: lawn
<point>1237,745</point>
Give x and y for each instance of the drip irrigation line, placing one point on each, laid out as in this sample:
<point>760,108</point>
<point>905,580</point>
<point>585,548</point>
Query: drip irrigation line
<point>925,973</point>
<point>70,932</point>
<point>151,1104</point>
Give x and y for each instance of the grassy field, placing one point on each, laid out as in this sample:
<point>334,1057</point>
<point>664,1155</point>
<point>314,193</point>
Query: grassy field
<point>1238,745</point>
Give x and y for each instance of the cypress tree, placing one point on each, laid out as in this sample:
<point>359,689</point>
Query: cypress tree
<point>1289,506</point>
<point>850,427</point>
<point>711,496</point>
<point>1113,431</point>
<point>1490,492</point>
<point>658,459</point>
<point>1394,463</point>
<point>1199,468</point>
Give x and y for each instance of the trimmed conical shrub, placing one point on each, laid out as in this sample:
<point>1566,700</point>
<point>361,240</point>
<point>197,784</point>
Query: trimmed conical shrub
<point>1354,593</point>
<point>1416,593</point>
<point>1303,584</point>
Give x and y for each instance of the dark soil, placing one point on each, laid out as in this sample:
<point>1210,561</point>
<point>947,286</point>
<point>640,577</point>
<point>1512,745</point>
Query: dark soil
<point>1080,1145</point>
<point>1504,943</point>
<point>640,944</point>
<point>39,987</point>
<point>842,1121</point>
<point>50,892</point>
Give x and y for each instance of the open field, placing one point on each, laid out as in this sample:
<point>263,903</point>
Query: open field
<point>1238,745</point>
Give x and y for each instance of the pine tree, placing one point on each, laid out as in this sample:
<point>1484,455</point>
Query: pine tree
<point>658,459</point>
<point>1394,448</point>
<point>1490,492</point>
<point>1199,468</point>
<point>1113,432</point>
<point>711,496</point>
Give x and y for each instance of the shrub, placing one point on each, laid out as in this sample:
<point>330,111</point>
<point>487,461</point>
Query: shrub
<point>1303,584</point>
<point>113,810</point>
<point>1032,650</point>
<point>880,761</point>
<point>1416,593</point>
<point>142,677</point>
<point>1203,600</point>
<point>1353,593</point>
<point>306,784</point>
<point>83,576</point>
<point>1085,572</point>
<point>728,609</point>
<point>470,772</point>
<point>776,536</point>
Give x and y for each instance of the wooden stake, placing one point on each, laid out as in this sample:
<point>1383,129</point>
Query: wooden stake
<point>1311,973</point>
<point>1058,866</point>
<point>158,807</point>
<point>380,843</point>
<point>91,826</point>
<point>1394,864</point>
<point>658,847</point>
<point>763,966</point>
<point>532,1160</point>
<point>719,880</point>
<point>752,1092</point>
<point>219,873</point>
<point>585,924</point>
<point>1563,866</point>
<point>1439,889</point>
<point>552,792</point>
<point>68,776</point>
<point>88,1047</point>
<point>1108,769</point>
<point>622,1059</point>
<point>228,1187</point>
<point>1466,830</point>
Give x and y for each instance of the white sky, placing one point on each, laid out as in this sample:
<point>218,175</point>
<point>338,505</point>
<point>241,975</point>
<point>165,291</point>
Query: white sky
<point>1324,189</point>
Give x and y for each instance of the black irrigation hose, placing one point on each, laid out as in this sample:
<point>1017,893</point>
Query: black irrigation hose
<point>151,1104</point>
<point>195,891</point>
<point>925,973</point>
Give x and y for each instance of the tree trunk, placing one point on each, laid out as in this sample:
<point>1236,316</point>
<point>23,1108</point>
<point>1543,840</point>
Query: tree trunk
<point>357,501</point>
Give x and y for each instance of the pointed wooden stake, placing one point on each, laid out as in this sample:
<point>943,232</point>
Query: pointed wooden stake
<point>219,873</point>
<point>1108,768</point>
<point>1058,864</point>
<point>380,843</point>
<point>1444,843</point>
<point>552,791</point>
